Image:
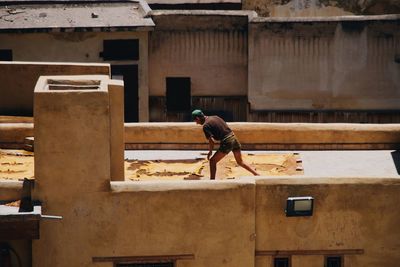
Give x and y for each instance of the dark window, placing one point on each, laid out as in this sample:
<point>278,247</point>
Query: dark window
<point>5,55</point>
<point>120,49</point>
<point>165,264</point>
<point>281,262</point>
<point>335,261</point>
<point>178,94</point>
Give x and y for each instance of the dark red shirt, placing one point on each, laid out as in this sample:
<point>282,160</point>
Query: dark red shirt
<point>216,128</point>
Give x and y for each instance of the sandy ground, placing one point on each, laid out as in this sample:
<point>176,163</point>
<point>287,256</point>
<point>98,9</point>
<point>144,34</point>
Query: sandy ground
<point>195,169</point>
<point>18,164</point>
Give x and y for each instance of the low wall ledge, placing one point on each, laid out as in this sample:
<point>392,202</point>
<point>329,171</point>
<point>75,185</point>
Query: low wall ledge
<point>10,184</point>
<point>327,19</point>
<point>160,186</point>
<point>318,180</point>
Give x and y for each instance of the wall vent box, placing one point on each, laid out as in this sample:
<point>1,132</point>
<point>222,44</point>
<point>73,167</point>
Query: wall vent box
<point>299,206</point>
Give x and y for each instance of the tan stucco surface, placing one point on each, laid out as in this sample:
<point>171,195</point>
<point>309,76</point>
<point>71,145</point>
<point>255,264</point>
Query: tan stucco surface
<point>259,133</point>
<point>67,47</point>
<point>18,79</point>
<point>343,63</point>
<point>210,48</point>
<point>348,214</point>
<point>188,135</point>
<point>12,135</point>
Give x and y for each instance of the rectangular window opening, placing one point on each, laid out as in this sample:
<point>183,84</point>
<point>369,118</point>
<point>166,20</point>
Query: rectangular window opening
<point>6,55</point>
<point>334,261</point>
<point>160,264</point>
<point>179,98</point>
<point>125,49</point>
<point>282,262</point>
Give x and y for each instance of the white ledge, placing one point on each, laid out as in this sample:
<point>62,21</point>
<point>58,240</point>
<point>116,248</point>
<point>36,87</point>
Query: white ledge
<point>159,186</point>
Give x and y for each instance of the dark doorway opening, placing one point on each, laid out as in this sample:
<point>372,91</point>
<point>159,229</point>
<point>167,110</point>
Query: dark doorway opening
<point>6,55</point>
<point>179,97</point>
<point>129,74</point>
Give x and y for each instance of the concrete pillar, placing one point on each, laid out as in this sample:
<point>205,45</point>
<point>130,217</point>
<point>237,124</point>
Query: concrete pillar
<point>116,94</point>
<point>78,148</point>
<point>72,136</point>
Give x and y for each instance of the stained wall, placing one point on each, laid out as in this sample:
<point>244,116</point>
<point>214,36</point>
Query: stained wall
<point>82,47</point>
<point>324,64</point>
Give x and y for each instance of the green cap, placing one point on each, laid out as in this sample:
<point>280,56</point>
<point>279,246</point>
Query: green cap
<point>197,113</point>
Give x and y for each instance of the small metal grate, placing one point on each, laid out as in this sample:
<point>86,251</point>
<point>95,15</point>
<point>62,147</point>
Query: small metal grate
<point>334,261</point>
<point>281,262</point>
<point>165,264</point>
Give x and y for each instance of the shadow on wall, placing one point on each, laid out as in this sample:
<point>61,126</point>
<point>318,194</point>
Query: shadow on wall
<point>396,160</point>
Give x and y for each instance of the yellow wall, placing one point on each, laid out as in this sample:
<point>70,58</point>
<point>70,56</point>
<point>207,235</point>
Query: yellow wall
<point>348,214</point>
<point>18,80</point>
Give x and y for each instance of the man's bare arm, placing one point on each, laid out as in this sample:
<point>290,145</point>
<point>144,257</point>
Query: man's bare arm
<point>211,142</point>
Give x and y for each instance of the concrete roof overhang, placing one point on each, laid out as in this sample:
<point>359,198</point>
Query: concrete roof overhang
<point>358,18</point>
<point>83,16</point>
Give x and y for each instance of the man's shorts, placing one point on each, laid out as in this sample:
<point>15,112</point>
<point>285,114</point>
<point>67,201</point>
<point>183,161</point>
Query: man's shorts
<point>228,144</point>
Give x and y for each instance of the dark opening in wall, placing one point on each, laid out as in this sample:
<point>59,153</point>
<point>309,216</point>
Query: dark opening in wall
<point>335,261</point>
<point>179,97</point>
<point>127,49</point>
<point>164,264</point>
<point>282,262</point>
<point>6,55</point>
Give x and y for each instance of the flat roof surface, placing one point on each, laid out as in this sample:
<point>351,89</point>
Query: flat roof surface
<point>323,164</point>
<point>170,164</point>
<point>67,16</point>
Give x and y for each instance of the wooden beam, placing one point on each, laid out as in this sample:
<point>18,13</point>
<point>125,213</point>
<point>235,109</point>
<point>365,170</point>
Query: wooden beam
<point>309,252</point>
<point>147,259</point>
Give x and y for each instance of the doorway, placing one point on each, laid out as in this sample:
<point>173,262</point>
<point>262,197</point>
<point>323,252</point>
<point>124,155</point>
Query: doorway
<point>129,74</point>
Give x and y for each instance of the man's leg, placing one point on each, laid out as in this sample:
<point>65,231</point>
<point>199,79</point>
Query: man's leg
<point>213,163</point>
<point>240,162</point>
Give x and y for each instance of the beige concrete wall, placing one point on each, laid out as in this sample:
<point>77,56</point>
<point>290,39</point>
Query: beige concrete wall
<point>324,65</point>
<point>313,8</point>
<point>348,214</point>
<point>77,47</point>
<point>18,79</point>
<point>261,133</point>
<point>12,135</point>
<point>210,49</point>
<point>117,145</point>
<point>292,134</point>
<point>72,159</point>
<point>10,190</point>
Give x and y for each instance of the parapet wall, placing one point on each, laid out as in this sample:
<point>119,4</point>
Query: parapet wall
<point>18,80</point>
<point>258,136</point>
<point>267,136</point>
<point>222,223</point>
<point>324,64</point>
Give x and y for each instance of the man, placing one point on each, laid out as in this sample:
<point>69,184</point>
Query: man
<point>216,129</point>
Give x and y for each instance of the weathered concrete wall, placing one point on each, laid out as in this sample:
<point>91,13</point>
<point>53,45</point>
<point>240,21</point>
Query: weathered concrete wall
<point>313,8</point>
<point>72,159</point>
<point>10,190</point>
<point>78,47</point>
<point>18,79</point>
<point>307,64</point>
<point>267,136</point>
<point>348,214</point>
<point>208,47</point>
<point>251,135</point>
<point>12,135</point>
